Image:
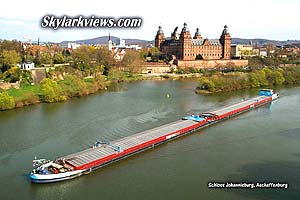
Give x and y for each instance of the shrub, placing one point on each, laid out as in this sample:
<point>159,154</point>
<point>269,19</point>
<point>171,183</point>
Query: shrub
<point>73,86</point>
<point>51,91</point>
<point>6,101</point>
<point>206,84</point>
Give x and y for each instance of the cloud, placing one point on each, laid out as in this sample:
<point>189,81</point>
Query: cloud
<point>12,22</point>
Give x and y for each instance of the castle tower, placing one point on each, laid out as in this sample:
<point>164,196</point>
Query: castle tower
<point>197,35</point>
<point>225,40</point>
<point>185,50</point>
<point>159,38</point>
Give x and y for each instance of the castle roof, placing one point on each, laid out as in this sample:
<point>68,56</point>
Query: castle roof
<point>185,28</point>
<point>160,31</point>
<point>214,42</point>
<point>225,31</point>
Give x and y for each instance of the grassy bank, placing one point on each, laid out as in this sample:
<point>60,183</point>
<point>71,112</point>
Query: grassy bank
<point>49,91</point>
<point>220,82</point>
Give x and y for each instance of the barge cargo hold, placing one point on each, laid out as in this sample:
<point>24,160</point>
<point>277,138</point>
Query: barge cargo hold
<point>104,153</point>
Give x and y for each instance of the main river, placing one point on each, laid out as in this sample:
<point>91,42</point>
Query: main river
<point>262,145</point>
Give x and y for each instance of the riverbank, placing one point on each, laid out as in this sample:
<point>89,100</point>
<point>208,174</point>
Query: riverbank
<point>54,91</point>
<point>47,92</point>
<point>224,82</point>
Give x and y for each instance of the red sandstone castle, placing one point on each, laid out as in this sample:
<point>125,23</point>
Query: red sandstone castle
<point>184,47</point>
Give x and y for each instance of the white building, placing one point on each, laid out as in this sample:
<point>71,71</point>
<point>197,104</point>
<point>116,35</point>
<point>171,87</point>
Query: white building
<point>28,65</point>
<point>122,45</point>
<point>70,45</point>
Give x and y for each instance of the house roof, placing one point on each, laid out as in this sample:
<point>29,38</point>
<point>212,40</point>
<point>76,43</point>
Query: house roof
<point>27,62</point>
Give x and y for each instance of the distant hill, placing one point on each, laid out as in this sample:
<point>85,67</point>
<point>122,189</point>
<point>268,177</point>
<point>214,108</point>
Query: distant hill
<point>259,42</point>
<point>255,41</point>
<point>104,40</point>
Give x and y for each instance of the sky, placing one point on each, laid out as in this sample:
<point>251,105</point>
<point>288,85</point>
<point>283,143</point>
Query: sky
<point>268,19</point>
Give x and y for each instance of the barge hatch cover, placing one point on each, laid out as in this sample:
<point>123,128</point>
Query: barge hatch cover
<point>239,105</point>
<point>89,155</point>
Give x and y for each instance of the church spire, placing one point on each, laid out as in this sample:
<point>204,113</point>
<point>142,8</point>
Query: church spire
<point>110,44</point>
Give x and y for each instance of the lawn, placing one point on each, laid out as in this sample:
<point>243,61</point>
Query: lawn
<point>25,92</point>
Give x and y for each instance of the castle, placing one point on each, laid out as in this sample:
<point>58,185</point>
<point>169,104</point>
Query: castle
<point>186,48</point>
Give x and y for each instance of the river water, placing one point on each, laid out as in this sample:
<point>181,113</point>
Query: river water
<point>262,145</point>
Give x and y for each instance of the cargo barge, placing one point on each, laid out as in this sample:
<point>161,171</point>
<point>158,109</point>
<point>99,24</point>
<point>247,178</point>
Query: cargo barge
<point>104,153</point>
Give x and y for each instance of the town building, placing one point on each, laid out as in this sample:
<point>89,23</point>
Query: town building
<point>263,52</point>
<point>186,47</point>
<point>121,45</point>
<point>119,50</point>
<point>70,45</point>
<point>28,65</point>
<point>241,50</point>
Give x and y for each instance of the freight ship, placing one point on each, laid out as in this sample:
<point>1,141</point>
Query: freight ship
<point>104,153</point>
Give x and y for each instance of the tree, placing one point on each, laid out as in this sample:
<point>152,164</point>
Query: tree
<point>6,101</point>
<point>58,58</point>
<point>99,69</point>
<point>9,58</point>
<point>37,58</point>
<point>81,58</point>
<point>104,57</point>
<point>132,61</point>
<point>206,84</point>
<point>13,74</point>
<point>13,45</point>
<point>51,91</point>
<point>100,82</point>
<point>46,58</point>
<point>258,78</point>
<point>254,80</point>
<point>276,78</point>
<point>73,86</point>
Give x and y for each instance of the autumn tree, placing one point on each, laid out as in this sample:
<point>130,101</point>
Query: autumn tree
<point>276,78</point>
<point>13,74</point>
<point>13,45</point>
<point>9,58</point>
<point>51,91</point>
<point>58,58</point>
<point>73,86</point>
<point>206,84</point>
<point>6,101</point>
<point>104,57</point>
<point>82,57</point>
<point>132,61</point>
<point>46,58</point>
